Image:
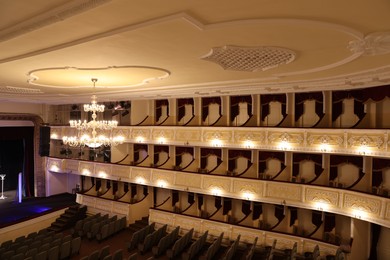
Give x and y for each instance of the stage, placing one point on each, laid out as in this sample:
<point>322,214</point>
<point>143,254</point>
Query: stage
<point>13,212</point>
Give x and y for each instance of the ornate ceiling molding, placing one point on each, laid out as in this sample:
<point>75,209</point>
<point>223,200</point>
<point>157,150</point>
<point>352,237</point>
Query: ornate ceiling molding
<point>252,59</point>
<point>108,76</point>
<point>55,15</point>
<point>377,43</point>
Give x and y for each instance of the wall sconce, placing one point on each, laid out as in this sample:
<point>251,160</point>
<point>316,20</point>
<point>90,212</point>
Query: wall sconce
<point>161,183</point>
<point>54,168</point>
<point>248,195</point>
<point>216,143</point>
<point>54,136</point>
<point>102,174</point>
<point>359,214</point>
<point>248,144</point>
<point>161,140</point>
<point>363,150</point>
<point>140,180</point>
<point>85,172</point>
<point>216,191</point>
<point>325,148</point>
<point>284,145</point>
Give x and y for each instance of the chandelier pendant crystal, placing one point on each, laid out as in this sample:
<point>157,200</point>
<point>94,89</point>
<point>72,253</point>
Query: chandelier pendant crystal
<point>93,133</point>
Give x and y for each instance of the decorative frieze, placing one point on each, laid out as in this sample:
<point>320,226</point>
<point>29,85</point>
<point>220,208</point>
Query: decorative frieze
<point>362,203</point>
<point>341,201</point>
<point>323,196</point>
<point>289,192</point>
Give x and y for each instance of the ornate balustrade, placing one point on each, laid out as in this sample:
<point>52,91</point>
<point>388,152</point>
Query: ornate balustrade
<point>341,201</point>
<point>132,212</point>
<point>231,232</point>
<point>372,142</point>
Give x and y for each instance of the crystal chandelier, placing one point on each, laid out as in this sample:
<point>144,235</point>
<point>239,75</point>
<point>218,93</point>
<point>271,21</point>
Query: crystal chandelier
<point>88,134</point>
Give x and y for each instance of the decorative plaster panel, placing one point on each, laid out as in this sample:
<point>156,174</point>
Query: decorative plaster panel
<point>244,136</point>
<point>215,229</point>
<point>141,176</point>
<point>162,218</point>
<point>105,205</point>
<point>322,195</point>
<point>143,132</point>
<point>188,180</point>
<point>210,183</point>
<point>167,134</point>
<point>188,135</point>
<point>86,168</point>
<point>72,166</point>
<point>120,208</point>
<point>252,187</point>
<point>122,172</point>
<point>165,176</point>
<point>187,223</point>
<point>387,214</point>
<point>283,191</point>
<point>222,135</point>
<point>366,204</point>
<point>102,170</point>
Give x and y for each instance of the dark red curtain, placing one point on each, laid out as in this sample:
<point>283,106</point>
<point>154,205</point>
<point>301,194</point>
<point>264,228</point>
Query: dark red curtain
<point>159,149</point>
<point>175,197</point>
<point>227,205</point>
<point>133,189</point>
<point>200,201</point>
<point>137,149</point>
<point>206,152</point>
<point>257,210</point>
<point>264,156</point>
<point>360,96</point>
<point>266,99</point>
<point>191,198</point>
<point>246,207</point>
<point>218,202</point>
<point>179,151</point>
<point>299,157</point>
<point>181,103</point>
<point>300,99</point>
<point>293,215</point>
<point>234,105</point>
<point>378,165</point>
<point>279,212</point>
<point>158,105</point>
<point>330,222</point>
<point>336,160</point>
<point>316,218</point>
<point>206,101</point>
<point>235,154</point>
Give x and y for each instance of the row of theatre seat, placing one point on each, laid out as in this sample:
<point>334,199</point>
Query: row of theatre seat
<point>42,245</point>
<point>99,227</point>
<point>160,242</point>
